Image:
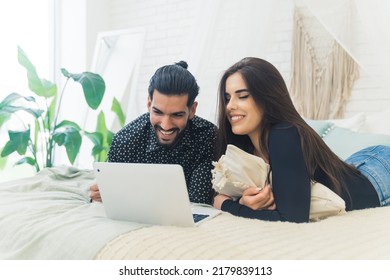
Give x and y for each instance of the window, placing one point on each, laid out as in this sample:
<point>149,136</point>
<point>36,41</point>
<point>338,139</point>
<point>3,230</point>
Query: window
<point>27,24</point>
<point>23,23</point>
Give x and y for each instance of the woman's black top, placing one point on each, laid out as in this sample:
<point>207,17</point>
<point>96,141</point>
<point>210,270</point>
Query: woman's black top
<point>291,184</point>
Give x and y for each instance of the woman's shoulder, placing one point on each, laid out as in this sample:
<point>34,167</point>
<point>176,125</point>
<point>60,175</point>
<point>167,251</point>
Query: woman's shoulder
<point>283,125</point>
<point>283,131</point>
<point>284,140</point>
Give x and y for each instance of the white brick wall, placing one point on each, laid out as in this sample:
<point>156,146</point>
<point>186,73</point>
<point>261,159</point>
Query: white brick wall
<point>170,28</point>
<point>167,22</point>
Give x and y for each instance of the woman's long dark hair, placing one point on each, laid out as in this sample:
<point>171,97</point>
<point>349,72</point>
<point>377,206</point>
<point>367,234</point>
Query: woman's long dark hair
<point>270,93</point>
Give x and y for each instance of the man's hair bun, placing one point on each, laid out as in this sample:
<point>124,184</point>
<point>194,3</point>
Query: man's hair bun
<point>182,64</point>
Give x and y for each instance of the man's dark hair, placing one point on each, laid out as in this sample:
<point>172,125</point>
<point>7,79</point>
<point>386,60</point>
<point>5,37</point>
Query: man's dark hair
<point>174,79</point>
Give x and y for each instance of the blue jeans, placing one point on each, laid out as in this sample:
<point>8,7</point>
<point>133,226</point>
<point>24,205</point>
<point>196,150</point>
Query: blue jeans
<point>374,163</point>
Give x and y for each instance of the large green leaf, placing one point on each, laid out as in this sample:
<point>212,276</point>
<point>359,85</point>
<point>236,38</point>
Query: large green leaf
<point>37,85</point>
<point>95,137</point>
<point>12,109</point>
<point>66,123</point>
<point>27,160</point>
<point>10,98</point>
<point>110,136</point>
<point>7,109</point>
<point>101,138</point>
<point>93,86</point>
<point>18,141</point>
<point>97,140</point>
<point>101,124</point>
<point>68,136</point>
<point>102,128</point>
<point>117,109</point>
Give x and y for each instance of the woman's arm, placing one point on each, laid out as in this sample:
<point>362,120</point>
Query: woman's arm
<point>290,180</point>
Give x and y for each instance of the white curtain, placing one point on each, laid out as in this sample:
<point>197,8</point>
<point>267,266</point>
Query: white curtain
<point>222,37</point>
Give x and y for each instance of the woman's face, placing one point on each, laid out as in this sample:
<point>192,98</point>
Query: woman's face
<point>243,113</point>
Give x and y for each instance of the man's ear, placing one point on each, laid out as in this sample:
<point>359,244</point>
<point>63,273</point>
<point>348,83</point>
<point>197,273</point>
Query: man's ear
<point>149,103</point>
<point>193,109</point>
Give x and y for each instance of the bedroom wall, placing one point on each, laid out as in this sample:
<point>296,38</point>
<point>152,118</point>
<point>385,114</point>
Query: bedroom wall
<point>175,30</point>
<point>171,27</point>
<point>168,27</point>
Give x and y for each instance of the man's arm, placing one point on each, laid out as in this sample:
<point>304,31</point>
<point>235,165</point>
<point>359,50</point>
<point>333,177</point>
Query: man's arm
<point>200,185</point>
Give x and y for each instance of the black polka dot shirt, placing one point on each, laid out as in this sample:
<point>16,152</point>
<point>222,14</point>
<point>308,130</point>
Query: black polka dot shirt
<point>137,143</point>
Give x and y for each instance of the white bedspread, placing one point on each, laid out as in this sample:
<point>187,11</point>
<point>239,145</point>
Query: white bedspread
<point>48,216</point>
<point>357,235</point>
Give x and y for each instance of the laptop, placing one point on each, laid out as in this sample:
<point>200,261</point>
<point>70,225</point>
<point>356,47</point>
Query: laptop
<point>146,193</point>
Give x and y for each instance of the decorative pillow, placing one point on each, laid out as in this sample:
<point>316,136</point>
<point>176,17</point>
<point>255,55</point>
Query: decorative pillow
<point>237,170</point>
<point>344,142</point>
<point>320,126</point>
<point>324,202</point>
<point>354,123</point>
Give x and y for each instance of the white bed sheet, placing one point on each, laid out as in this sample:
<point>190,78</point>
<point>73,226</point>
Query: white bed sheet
<point>49,216</point>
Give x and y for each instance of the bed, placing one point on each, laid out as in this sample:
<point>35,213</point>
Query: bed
<point>49,216</point>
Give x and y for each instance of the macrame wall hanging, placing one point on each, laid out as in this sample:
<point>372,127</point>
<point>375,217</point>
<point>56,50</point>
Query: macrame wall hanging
<point>323,74</point>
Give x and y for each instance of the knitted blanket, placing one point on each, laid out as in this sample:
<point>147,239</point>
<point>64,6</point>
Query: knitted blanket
<point>49,216</point>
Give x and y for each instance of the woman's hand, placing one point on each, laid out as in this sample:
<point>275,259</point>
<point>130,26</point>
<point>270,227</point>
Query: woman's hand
<point>219,199</point>
<point>95,193</point>
<point>256,198</point>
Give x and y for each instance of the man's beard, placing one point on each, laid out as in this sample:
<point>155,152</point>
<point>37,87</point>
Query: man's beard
<point>174,142</point>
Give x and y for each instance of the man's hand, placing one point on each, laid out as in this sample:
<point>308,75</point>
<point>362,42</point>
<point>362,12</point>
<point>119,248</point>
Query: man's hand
<point>257,199</point>
<point>95,193</point>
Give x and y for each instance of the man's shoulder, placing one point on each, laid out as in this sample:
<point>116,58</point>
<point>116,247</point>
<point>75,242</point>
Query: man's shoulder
<point>202,131</point>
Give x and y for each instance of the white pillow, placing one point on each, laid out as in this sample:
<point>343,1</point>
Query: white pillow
<point>354,123</point>
<point>377,123</point>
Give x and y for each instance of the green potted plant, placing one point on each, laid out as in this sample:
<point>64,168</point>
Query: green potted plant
<point>43,131</point>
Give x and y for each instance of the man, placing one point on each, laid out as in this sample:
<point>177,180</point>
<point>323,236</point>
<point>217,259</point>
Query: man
<point>170,132</point>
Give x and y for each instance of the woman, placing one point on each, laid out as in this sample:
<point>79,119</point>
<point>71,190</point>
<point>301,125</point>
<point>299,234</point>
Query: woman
<point>256,114</point>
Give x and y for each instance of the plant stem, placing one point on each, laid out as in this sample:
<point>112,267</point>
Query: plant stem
<point>34,153</point>
<point>59,105</point>
<point>43,138</point>
<point>52,129</point>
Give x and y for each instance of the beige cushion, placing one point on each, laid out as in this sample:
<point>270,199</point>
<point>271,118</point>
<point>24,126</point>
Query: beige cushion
<point>237,170</point>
